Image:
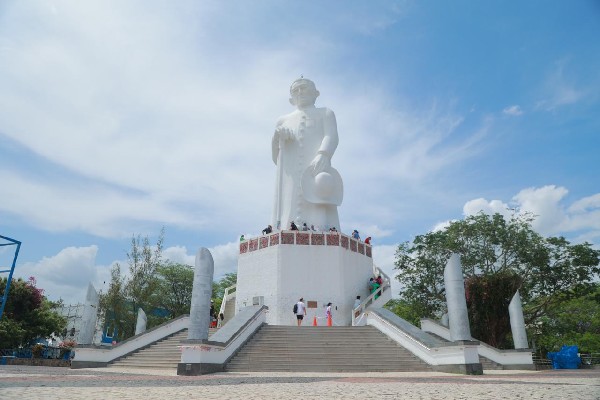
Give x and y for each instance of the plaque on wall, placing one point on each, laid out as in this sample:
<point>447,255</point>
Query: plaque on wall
<point>311,304</point>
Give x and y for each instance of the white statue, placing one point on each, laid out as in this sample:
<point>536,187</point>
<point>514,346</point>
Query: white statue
<point>308,190</point>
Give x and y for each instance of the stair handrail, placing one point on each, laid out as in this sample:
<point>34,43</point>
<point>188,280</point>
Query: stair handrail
<point>227,295</point>
<point>378,271</point>
<point>360,309</point>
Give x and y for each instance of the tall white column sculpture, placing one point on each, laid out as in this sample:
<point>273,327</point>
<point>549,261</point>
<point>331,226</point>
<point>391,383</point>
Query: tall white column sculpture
<point>89,316</point>
<point>201,293</point>
<point>517,322</point>
<point>458,315</point>
<point>140,325</point>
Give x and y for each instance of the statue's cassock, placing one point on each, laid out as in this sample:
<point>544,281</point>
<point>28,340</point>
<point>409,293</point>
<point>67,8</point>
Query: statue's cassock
<point>308,190</point>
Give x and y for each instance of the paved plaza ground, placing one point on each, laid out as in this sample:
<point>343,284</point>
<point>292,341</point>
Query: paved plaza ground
<point>21,382</point>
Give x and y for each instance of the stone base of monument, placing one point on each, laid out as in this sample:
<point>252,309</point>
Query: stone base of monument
<point>278,269</point>
<point>199,357</point>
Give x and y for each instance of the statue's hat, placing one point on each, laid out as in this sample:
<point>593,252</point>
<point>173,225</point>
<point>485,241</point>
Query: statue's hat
<point>324,188</point>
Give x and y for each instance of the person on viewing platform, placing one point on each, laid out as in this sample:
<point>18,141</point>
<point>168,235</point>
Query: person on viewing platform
<point>368,240</point>
<point>355,235</point>
<point>312,228</point>
<point>332,229</point>
<point>370,285</point>
<point>379,280</point>
<point>267,230</point>
<point>293,226</point>
<point>304,227</point>
<point>242,238</point>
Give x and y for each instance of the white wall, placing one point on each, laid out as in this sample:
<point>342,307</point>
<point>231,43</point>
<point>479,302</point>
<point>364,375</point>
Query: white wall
<point>284,273</point>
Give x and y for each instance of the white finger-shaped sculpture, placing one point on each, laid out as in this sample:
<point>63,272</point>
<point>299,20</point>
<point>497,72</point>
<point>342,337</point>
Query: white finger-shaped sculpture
<point>458,316</point>
<point>89,317</point>
<point>140,325</point>
<point>517,322</point>
<point>201,293</point>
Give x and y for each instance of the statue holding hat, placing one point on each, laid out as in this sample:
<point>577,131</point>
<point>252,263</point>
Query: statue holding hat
<point>308,189</point>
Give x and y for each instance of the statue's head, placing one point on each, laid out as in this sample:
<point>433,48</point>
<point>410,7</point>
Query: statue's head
<point>303,93</point>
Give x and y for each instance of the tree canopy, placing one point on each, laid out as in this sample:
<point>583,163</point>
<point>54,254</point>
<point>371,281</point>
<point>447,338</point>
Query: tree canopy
<point>28,314</point>
<point>498,256</point>
<point>175,282</point>
<point>163,289</point>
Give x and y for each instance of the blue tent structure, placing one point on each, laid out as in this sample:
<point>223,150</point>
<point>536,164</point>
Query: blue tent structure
<point>8,242</point>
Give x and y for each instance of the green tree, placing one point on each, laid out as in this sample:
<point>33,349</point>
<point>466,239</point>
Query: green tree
<point>576,320</point>
<point>154,285</point>
<point>175,282</point>
<point>141,288</point>
<point>28,314</point>
<point>113,304</point>
<point>491,246</point>
<point>126,294</point>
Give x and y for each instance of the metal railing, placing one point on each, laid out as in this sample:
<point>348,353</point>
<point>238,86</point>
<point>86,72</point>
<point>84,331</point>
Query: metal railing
<point>227,295</point>
<point>589,359</point>
<point>359,311</point>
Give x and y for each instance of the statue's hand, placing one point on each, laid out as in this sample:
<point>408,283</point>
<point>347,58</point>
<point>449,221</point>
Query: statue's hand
<point>320,163</point>
<point>283,133</point>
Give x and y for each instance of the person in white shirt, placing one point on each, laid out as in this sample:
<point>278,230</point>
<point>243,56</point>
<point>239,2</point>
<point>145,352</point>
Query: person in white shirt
<point>300,311</point>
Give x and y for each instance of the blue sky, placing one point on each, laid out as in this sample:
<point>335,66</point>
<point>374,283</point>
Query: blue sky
<point>120,117</point>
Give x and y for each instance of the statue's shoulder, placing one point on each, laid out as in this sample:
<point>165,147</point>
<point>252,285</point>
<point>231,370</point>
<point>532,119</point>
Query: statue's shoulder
<point>326,112</point>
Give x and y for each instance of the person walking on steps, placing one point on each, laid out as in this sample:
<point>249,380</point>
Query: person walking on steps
<point>300,311</point>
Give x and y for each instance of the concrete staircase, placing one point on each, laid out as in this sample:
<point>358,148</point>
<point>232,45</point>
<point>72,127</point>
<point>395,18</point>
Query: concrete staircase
<point>229,309</point>
<point>323,349</point>
<point>163,354</point>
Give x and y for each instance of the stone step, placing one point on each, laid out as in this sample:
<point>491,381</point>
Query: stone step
<point>322,368</point>
<point>338,356</point>
<point>285,348</point>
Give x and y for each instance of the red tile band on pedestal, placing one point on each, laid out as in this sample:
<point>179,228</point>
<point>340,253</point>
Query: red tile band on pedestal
<point>274,238</point>
<point>317,239</point>
<point>302,238</point>
<point>287,238</point>
<point>333,239</point>
<point>252,244</point>
<point>344,242</point>
<point>263,242</point>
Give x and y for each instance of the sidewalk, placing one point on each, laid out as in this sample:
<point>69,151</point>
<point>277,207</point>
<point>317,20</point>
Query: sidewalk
<point>24,383</point>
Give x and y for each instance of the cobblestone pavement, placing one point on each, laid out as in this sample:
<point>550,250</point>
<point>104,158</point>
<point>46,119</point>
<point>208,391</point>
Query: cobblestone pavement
<point>22,382</point>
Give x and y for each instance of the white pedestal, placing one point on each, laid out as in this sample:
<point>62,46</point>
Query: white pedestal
<point>277,269</point>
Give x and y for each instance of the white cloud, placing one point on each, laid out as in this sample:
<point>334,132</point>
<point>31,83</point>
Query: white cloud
<point>66,275</point>
<point>139,118</point>
<point>586,204</point>
<point>558,90</point>
<point>475,206</point>
<point>224,256</point>
<point>440,226</point>
<point>544,202</point>
<point>514,110</point>
<point>581,219</point>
